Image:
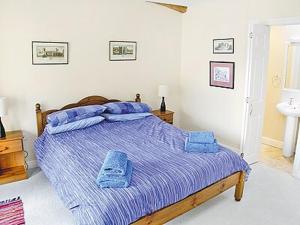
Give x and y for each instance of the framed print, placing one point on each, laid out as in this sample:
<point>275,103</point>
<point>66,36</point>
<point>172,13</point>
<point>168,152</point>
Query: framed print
<point>221,74</point>
<point>223,46</point>
<point>50,53</point>
<point>122,50</point>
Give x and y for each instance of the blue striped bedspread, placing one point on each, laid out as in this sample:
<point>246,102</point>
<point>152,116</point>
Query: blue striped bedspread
<point>163,173</point>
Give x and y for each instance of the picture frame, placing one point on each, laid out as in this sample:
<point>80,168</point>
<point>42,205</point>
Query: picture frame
<point>221,74</point>
<point>122,50</point>
<point>50,53</point>
<point>223,46</point>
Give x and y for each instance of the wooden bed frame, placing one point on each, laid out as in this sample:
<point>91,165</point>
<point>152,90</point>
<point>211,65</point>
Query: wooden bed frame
<point>172,211</point>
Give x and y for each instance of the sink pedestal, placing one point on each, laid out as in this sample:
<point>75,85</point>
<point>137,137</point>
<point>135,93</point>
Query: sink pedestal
<point>290,136</point>
<point>292,112</point>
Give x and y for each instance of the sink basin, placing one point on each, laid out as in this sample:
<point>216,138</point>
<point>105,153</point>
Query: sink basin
<point>289,109</point>
<point>292,112</point>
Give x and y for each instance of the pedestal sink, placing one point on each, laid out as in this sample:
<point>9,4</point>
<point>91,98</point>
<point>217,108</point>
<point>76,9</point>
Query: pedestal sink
<point>292,112</point>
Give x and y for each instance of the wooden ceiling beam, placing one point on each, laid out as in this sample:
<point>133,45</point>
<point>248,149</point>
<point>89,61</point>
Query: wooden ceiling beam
<point>178,8</point>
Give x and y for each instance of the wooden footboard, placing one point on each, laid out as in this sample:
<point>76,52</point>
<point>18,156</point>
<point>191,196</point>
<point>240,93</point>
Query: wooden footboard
<point>170,212</point>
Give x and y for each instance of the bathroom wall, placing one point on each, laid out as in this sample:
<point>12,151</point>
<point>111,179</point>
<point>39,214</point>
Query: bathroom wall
<point>274,122</point>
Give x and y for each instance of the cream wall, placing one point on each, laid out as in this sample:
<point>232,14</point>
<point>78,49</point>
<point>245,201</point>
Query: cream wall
<point>88,26</point>
<point>274,122</point>
<point>210,108</point>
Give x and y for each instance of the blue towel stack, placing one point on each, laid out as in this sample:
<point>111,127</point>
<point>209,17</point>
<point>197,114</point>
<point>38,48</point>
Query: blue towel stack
<point>201,141</point>
<point>116,171</point>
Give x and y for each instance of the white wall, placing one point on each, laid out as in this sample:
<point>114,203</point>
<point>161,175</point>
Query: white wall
<point>88,26</point>
<point>210,108</point>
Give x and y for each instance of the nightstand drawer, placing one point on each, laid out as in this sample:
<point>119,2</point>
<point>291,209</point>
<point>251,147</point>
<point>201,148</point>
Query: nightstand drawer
<point>11,146</point>
<point>166,116</point>
<point>167,119</point>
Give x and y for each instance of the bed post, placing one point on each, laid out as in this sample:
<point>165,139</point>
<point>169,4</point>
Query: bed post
<point>239,188</point>
<point>138,98</point>
<point>39,119</point>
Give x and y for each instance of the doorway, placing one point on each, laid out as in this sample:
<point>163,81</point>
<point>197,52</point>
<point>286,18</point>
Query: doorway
<point>257,86</point>
<point>283,72</point>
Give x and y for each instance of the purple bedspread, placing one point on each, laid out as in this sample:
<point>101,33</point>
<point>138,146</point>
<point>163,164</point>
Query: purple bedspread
<point>163,173</point>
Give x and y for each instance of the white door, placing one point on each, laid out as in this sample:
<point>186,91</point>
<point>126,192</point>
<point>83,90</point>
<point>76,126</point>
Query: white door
<point>259,38</point>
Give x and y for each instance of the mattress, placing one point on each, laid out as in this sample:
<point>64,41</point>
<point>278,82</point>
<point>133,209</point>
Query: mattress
<point>163,173</point>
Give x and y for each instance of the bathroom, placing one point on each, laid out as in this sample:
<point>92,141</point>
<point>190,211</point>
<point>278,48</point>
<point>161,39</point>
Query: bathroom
<point>280,128</point>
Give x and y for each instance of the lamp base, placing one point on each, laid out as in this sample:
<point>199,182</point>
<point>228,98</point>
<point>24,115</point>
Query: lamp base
<point>2,130</point>
<point>163,105</point>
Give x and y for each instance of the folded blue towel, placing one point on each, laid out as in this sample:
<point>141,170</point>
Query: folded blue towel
<point>201,148</point>
<point>115,163</point>
<point>115,181</point>
<point>204,137</point>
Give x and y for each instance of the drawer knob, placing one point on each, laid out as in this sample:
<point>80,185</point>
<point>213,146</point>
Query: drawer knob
<point>3,149</point>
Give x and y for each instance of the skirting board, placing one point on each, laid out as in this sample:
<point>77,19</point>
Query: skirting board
<point>238,151</point>
<point>32,164</point>
<point>272,142</point>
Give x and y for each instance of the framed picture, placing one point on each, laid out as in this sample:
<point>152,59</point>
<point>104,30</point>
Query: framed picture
<point>50,53</point>
<point>221,74</point>
<point>122,50</point>
<point>223,46</point>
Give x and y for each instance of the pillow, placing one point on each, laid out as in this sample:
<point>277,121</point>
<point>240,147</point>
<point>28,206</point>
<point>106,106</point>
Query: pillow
<point>125,117</point>
<point>126,107</point>
<point>80,124</point>
<point>74,114</point>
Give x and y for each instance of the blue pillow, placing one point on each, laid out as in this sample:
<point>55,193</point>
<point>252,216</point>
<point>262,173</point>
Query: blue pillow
<point>126,107</point>
<point>125,117</point>
<point>80,124</point>
<point>74,114</point>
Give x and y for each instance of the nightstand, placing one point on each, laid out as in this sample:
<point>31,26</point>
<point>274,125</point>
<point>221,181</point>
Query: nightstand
<point>12,161</point>
<point>166,116</point>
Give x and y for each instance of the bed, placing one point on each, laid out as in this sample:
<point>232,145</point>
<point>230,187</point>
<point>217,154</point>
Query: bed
<point>166,182</point>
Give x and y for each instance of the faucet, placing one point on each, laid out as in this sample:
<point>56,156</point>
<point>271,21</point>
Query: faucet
<point>291,102</point>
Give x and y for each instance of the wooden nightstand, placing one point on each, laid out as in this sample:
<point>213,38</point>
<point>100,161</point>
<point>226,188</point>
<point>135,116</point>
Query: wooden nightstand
<point>12,162</point>
<point>166,116</point>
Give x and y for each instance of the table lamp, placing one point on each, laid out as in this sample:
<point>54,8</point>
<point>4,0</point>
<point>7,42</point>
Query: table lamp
<point>3,112</point>
<point>163,92</point>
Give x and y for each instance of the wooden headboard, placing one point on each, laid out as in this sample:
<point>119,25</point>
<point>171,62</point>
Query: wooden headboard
<point>41,116</point>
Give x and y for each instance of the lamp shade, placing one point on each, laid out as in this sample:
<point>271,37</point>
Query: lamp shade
<point>3,106</point>
<point>163,91</point>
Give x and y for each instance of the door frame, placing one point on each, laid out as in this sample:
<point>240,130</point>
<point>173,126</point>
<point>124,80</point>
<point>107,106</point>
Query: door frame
<point>266,22</point>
